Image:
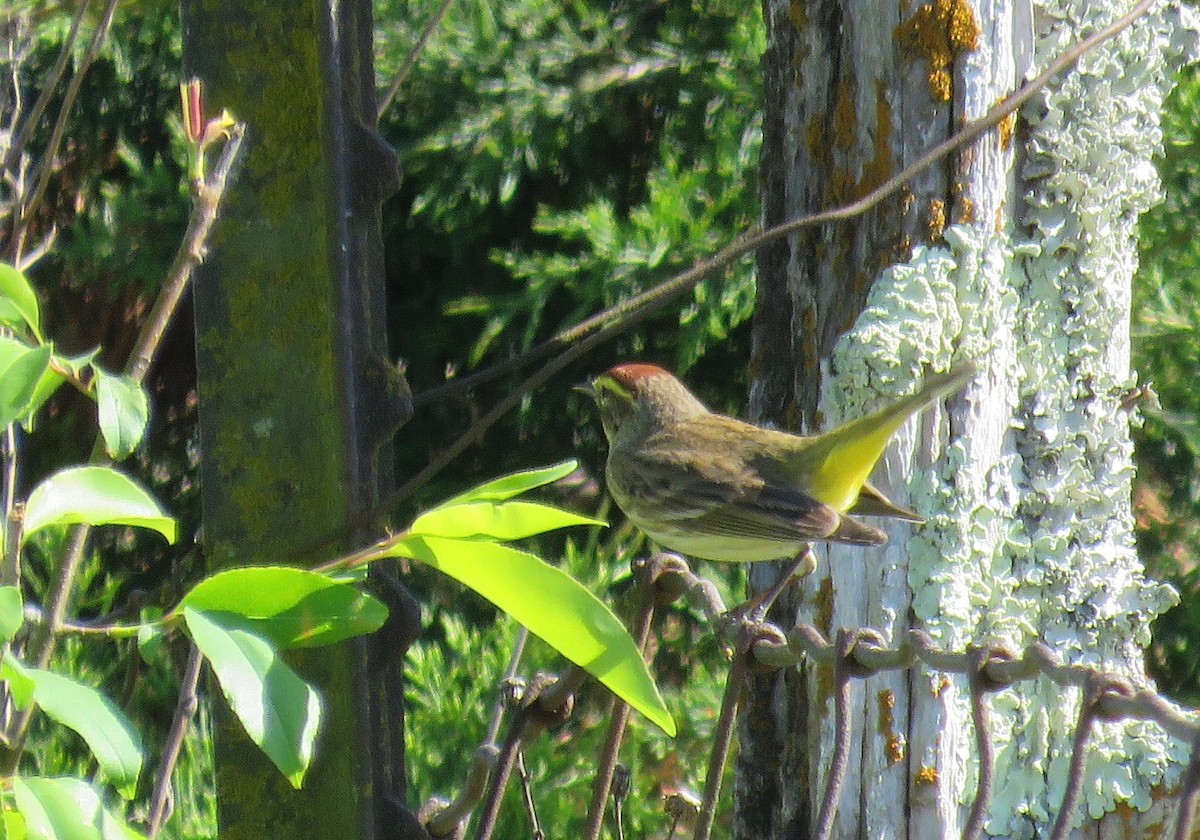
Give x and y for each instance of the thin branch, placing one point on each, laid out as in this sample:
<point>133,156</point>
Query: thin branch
<point>622,316</point>
<point>208,198</point>
<point>184,711</point>
<point>45,167</point>
<point>48,86</point>
<point>573,343</point>
<point>510,674</point>
<point>410,60</point>
<point>189,256</point>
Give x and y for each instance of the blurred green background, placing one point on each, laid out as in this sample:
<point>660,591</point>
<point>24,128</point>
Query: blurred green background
<point>558,157</point>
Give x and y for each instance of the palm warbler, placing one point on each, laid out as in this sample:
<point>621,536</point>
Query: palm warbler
<point>713,487</point>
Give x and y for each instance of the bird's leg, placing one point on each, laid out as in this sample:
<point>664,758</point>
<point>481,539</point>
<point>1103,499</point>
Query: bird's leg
<point>804,564</point>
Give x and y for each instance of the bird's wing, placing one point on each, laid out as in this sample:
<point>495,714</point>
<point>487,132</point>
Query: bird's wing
<point>719,494</point>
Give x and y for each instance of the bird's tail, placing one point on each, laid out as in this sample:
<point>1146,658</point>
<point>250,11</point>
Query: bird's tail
<point>844,457</point>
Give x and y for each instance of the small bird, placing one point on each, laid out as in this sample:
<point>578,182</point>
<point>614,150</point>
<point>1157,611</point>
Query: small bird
<point>709,486</point>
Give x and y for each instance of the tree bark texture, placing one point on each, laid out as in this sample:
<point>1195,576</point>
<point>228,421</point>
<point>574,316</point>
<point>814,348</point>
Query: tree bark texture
<point>1017,252</point>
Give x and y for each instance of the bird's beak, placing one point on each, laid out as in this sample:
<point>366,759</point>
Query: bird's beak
<point>587,388</point>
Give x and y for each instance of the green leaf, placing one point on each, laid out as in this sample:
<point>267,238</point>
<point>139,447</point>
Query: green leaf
<point>66,809</point>
<point>497,520</point>
<point>20,301</point>
<point>291,607</point>
<point>12,826</point>
<point>124,412</point>
<point>554,607</point>
<point>95,496</point>
<point>18,381</point>
<point>508,486</point>
<point>150,637</point>
<point>51,380</point>
<point>108,733</point>
<point>280,711</point>
<point>12,612</point>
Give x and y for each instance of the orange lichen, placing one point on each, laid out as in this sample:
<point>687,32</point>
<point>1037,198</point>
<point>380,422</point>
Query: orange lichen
<point>926,776</point>
<point>966,211</point>
<point>1007,127</point>
<point>798,14</point>
<point>845,122</point>
<point>936,222</point>
<point>887,711</point>
<point>940,31</point>
<point>894,749</point>
<point>880,167</point>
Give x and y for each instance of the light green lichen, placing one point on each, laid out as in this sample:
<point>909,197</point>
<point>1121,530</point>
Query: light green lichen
<point>1030,534</point>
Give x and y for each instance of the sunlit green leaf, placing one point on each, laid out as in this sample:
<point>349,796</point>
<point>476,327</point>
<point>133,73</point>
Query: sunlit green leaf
<point>51,380</point>
<point>554,607</point>
<point>291,607</point>
<point>95,496</point>
<point>20,301</point>
<point>280,712</point>
<point>124,411</point>
<point>108,733</point>
<point>508,486</point>
<point>66,809</point>
<point>498,520</point>
<point>12,612</point>
<point>19,379</point>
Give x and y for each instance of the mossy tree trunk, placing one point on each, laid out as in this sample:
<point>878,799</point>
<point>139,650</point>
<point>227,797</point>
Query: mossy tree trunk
<point>297,402</point>
<point>1018,251</point>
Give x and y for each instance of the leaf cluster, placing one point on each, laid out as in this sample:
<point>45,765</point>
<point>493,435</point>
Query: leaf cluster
<point>1166,321</point>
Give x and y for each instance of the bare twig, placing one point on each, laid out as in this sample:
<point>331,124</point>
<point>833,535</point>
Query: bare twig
<point>185,709</point>
<point>208,199</point>
<point>410,60</point>
<point>510,673</point>
<point>45,167</point>
<point>535,827</point>
<point>48,87</point>
<point>573,343</point>
<point>449,818</point>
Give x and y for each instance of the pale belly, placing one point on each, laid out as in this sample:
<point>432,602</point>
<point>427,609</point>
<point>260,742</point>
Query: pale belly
<point>726,549</point>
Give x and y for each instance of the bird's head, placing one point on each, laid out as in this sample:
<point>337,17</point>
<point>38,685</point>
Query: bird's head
<point>638,398</point>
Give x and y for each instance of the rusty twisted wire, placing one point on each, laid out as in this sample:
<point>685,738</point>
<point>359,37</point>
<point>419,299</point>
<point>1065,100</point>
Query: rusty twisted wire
<point>858,653</point>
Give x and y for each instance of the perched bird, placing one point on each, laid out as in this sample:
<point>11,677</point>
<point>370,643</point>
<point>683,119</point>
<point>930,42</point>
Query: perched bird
<point>713,487</point>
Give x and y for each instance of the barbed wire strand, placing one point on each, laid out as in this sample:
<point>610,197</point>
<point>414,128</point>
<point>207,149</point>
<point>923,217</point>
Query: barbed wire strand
<point>1187,800</point>
<point>1083,730</point>
<point>723,737</point>
<point>619,712</point>
<point>859,653</point>
<point>840,763</point>
<point>979,687</point>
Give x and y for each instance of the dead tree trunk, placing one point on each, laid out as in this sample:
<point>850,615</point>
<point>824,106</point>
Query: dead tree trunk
<point>1018,251</point>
